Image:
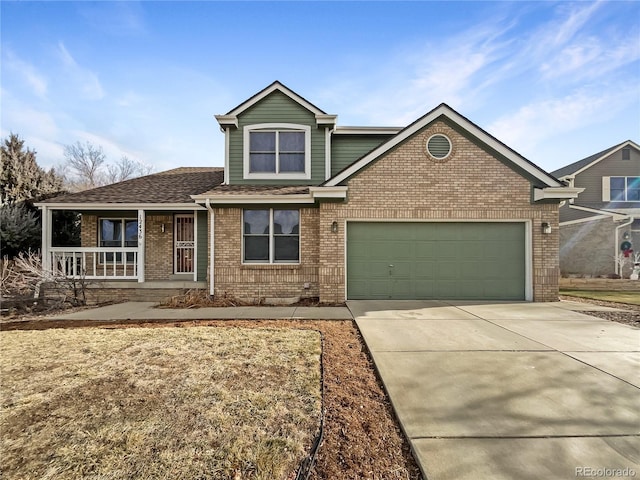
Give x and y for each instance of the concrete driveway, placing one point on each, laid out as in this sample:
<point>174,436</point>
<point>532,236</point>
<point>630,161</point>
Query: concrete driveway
<point>509,390</point>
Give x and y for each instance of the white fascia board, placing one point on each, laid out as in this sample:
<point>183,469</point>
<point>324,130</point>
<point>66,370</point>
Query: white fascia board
<point>602,213</point>
<point>250,199</point>
<point>628,143</point>
<point>556,193</point>
<point>444,110</point>
<point>367,130</point>
<point>329,192</point>
<point>120,206</point>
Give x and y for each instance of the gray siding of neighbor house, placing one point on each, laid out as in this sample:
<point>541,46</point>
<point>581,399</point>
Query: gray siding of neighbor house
<point>346,149</point>
<point>587,248</point>
<point>277,108</point>
<point>612,166</point>
<point>568,214</point>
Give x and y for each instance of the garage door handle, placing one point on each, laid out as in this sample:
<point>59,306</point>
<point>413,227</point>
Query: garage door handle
<point>390,266</point>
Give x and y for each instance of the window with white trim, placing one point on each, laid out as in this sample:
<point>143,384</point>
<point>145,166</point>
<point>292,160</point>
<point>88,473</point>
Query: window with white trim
<point>271,236</point>
<point>118,233</point>
<point>624,189</point>
<point>277,150</point>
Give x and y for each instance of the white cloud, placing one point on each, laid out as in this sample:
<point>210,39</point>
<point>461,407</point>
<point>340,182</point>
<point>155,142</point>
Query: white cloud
<point>535,123</point>
<point>86,82</point>
<point>30,74</point>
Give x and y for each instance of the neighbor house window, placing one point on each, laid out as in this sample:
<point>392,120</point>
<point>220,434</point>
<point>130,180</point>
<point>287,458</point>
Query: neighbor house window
<point>118,233</point>
<point>271,236</point>
<point>277,150</point>
<point>625,189</point>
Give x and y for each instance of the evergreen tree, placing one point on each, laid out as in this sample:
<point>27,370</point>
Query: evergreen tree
<point>22,182</point>
<point>21,179</point>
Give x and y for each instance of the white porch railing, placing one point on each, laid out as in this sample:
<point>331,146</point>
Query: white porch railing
<point>95,262</point>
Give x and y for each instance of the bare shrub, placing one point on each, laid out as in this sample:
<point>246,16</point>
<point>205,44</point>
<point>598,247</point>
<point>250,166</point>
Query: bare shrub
<point>25,276</point>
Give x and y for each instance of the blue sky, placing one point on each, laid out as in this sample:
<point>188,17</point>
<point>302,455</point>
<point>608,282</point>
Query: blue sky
<point>556,81</point>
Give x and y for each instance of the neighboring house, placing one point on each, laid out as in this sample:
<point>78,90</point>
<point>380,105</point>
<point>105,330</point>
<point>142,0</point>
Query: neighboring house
<point>304,207</point>
<point>604,222</point>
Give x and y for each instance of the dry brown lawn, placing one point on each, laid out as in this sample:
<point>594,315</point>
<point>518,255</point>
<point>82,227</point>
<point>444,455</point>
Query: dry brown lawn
<point>150,403</point>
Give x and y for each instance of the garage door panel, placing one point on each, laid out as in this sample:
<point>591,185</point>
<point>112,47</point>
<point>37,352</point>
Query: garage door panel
<point>455,260</point>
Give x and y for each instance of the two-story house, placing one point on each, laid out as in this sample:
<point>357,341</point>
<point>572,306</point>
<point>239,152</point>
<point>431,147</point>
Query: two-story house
<point>305,207</point>
<point>604,222</point>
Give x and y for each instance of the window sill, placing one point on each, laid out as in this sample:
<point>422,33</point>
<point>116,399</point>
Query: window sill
<point>270,266</point>
<point>277,176</point>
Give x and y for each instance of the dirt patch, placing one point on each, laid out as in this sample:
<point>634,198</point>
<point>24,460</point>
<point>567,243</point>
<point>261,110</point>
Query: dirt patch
<point>362,439</point>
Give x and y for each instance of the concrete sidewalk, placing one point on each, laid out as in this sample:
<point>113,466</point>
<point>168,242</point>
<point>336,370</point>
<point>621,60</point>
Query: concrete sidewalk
<point>509,390</point>
<point>149,311</point>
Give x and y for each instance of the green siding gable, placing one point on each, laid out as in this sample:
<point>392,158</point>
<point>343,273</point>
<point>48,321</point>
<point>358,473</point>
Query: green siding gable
<point>277,108</point>
<point>346,149</point>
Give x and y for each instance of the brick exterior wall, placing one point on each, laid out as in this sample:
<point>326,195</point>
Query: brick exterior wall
<point>255,282</point>
<point>158,263</point>
<point>470,185</point>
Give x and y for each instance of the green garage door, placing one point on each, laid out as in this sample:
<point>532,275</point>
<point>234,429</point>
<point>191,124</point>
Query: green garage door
<point>465,261</point>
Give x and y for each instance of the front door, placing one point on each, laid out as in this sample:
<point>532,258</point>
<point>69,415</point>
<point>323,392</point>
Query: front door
<point>184,244</point>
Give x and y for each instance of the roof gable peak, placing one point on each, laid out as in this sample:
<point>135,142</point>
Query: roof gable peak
<point>444,110</point>
<point>273,87</point>
<point>575,168</point>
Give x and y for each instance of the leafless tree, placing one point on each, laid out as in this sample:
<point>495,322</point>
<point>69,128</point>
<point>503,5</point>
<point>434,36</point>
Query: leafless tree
<point>125,169</point>
<point>83,164</point>
<point>86,166</point>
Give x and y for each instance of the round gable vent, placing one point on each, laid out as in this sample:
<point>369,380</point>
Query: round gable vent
<point>439,146</point>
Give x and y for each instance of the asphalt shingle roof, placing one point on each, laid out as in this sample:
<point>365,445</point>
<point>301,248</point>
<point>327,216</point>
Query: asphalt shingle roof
<point>257,190</point>
<point>171,186</point>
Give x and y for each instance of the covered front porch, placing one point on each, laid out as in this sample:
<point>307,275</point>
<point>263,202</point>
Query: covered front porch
<point>148,245</point>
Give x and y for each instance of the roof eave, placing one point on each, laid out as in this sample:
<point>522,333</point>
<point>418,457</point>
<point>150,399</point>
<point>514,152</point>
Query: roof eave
<point>118,206</point>
<point>556,193</point>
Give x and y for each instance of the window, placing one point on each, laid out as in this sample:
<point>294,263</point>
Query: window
<point>277,150</point>
<point>118,233</point>
<point>271,236</point>
<point>625,189</point>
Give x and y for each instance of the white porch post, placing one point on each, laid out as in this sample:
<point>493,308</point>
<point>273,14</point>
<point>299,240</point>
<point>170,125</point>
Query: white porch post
<point>47,219</point>
<point>141,242</point>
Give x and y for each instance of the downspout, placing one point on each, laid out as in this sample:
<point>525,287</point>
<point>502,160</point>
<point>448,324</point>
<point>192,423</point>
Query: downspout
<point>631,220</point>
<point>327,152</point>
<point>212,229</point>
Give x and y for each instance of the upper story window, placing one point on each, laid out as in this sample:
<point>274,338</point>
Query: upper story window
<point>277,151</point>
<point>625,189</point>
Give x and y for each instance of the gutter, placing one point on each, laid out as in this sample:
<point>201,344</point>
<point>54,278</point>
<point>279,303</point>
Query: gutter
<point>212,228</point>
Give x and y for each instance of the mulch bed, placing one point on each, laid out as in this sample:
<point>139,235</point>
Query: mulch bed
<point>630,315</point>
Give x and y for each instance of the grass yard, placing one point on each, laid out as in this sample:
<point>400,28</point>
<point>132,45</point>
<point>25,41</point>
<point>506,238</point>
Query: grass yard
<point>631,298</point>
<point>147,403</point>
